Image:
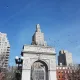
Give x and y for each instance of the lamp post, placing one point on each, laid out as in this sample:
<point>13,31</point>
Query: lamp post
<point>19,62</point>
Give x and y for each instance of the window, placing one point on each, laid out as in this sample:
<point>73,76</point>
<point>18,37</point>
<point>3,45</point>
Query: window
<point>8,49</point>
<point>3,39</point>
<point>5,43</point>
<point>62,71</point>
<point>0,38</point>
<point>6,57</point>
<point>62,76</point>
<point>59,72</point>
<point>59,76</point>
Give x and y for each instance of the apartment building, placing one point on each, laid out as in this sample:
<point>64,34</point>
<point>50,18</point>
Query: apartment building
<point>4,50</point>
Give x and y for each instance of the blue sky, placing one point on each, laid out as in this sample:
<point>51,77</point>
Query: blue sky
<point>59,20</point>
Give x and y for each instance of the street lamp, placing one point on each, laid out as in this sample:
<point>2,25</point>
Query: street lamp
<point>19,62</point>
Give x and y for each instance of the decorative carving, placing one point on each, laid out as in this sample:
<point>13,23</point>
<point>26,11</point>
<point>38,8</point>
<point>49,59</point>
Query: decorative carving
<point>52,64</point>
<point>26,64</point>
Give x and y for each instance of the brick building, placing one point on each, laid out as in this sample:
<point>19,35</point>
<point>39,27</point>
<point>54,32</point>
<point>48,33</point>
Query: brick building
<point>68,73</point>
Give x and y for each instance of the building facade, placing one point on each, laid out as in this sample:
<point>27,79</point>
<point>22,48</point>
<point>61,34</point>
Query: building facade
<point>68,72</point>
<point>63,73</point>
<point>39,61</point>
<point>65,58</point>
<point>4,50</point>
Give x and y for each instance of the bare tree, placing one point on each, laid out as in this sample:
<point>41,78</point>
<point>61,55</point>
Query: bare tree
<point>75,73</point>
<point>10,73</point>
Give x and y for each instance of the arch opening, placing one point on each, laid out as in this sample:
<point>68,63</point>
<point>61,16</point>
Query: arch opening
<point>39,70</point>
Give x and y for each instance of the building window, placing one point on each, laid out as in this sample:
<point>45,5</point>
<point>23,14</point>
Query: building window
<point>3,39</point>
<point>59,76</point>
<point>62,71</point>
<point>62,77</point>
<point>59,72</point>
<point>5,43</point>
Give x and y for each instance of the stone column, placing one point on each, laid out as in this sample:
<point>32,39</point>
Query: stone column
<point>26,70</point>
<point>52,71</point>
<point>26,75</point>
<point>52,75</point>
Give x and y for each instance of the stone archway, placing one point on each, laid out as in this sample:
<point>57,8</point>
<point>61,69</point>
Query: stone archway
<point>39,70</point>
<point>38,50</point>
